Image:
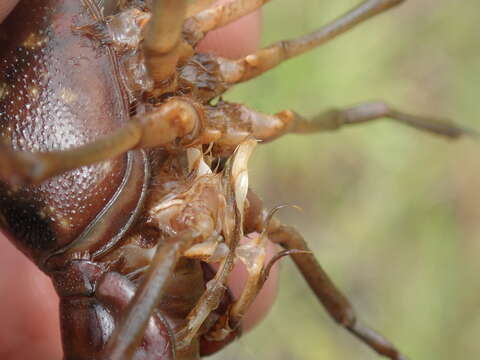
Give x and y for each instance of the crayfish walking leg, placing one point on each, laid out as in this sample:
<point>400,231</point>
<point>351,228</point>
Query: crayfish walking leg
<point>327,293</point>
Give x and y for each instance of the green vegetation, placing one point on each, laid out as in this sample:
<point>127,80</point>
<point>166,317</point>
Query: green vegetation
<point>391,213</point>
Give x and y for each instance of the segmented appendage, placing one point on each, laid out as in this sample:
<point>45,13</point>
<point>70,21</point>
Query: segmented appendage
<point>197,193</point>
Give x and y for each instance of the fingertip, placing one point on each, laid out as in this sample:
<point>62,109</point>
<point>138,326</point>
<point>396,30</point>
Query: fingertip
<point>29,309</point>
<point>234,40</point>
<point>265,298</point>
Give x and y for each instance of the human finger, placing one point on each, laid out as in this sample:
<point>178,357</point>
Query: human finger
<point>5,7</point>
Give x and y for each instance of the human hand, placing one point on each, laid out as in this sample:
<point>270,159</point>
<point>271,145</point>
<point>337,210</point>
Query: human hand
<point>28,303</point>
<point>5,7</point>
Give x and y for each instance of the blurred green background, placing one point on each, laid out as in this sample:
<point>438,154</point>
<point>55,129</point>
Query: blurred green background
<point>391,213</point>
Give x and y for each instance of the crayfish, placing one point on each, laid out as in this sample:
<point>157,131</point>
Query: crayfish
<point>125,174</point>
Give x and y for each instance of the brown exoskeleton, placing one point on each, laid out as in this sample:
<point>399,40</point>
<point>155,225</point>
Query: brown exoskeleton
<point>125,194</point>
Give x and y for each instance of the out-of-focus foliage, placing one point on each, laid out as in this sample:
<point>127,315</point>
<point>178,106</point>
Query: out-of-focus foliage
<point>391,213</point>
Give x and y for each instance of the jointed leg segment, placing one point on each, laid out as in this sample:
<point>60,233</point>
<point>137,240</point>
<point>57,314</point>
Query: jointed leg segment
<point>163,45</point>
<point>173,119</point>
<point>130,331</point>
<point>232,122</point>
<point>115,292</point>
<point>235,186</point>
<point>327,293</point>
<point>361,113</point>
<point>265,59</point>
<point>227,124</point>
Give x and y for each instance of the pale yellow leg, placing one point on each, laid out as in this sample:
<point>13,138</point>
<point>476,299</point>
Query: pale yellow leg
<point>174,119</point>
<point>163,46</point>
<point>231,123</point>
<point>265,59</point>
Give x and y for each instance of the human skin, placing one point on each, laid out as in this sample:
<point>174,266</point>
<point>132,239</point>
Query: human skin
<point>28,303</point>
